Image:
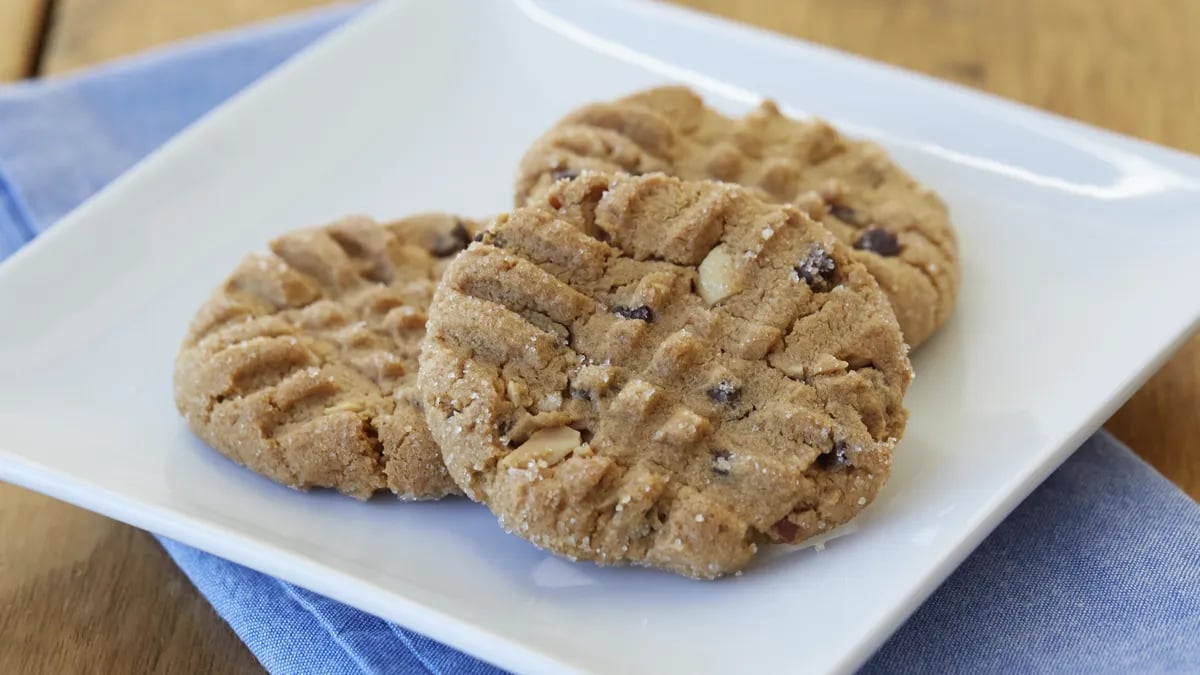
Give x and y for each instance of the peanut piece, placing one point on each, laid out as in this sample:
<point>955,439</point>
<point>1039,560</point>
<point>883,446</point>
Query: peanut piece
<point>545,447</point>
<point>718,278</point>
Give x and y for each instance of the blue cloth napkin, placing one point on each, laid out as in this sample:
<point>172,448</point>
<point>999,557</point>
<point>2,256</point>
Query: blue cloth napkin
<point>1098,571</point>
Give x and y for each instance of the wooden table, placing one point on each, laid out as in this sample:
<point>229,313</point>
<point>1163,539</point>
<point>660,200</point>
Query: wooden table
<point>81,593</point>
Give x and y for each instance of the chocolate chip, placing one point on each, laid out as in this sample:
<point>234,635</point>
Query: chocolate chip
<point>818,269</point>
<point>878,240</point>
<point>490,237</point>
<point>639,313</point>
<point>835,457</point>
<point>504,426</point>
<point>453,241</point>
<point>786,530</point>
<point>725,392</point>
<point>844,214</point>
<point>566,174</point>
<point>581,394</point>
<point>720,462</point>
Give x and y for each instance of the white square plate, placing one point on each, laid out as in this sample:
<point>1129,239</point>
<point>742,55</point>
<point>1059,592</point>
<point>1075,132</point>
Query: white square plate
<point>1080,251</point>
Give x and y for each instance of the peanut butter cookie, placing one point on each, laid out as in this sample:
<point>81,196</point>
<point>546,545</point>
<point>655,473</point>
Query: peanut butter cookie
<point>666,373</point>
<point>302,365</point>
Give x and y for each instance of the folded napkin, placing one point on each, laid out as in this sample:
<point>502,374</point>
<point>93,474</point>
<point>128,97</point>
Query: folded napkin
<point>1098,571</point>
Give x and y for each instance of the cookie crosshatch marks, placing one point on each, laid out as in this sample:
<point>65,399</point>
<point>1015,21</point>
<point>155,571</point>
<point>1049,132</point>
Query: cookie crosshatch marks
<point>897,228</point>
<point>614,395</point>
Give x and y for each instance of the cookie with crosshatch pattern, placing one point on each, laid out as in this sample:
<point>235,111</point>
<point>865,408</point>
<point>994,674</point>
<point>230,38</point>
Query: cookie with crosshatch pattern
<point>897,228</point>
<point>302,364</point>
<point>651,371</point>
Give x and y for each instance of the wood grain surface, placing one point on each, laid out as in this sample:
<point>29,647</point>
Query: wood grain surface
<point>81,593</point>
<point>85,32</point>
<point>20,35</point>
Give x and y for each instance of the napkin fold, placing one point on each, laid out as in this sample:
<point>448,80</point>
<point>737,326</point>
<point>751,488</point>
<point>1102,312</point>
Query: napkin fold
<point>1097,571</point>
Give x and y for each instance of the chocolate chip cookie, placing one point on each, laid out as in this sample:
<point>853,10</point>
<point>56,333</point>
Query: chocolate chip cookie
<point>302,365</point>
<point>896,227</point>
<point>653,371</point>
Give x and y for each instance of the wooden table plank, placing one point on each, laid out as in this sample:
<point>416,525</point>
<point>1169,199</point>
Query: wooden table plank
<point>1162,420</point>
<point>81,593</point>
<point>1126,66</point>
<point>86,32</point>
<point>20,33</point>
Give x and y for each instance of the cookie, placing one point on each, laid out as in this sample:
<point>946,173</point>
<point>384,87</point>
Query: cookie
<point>302,365</point>
<point>666,373</point>
<point>897,228</point>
